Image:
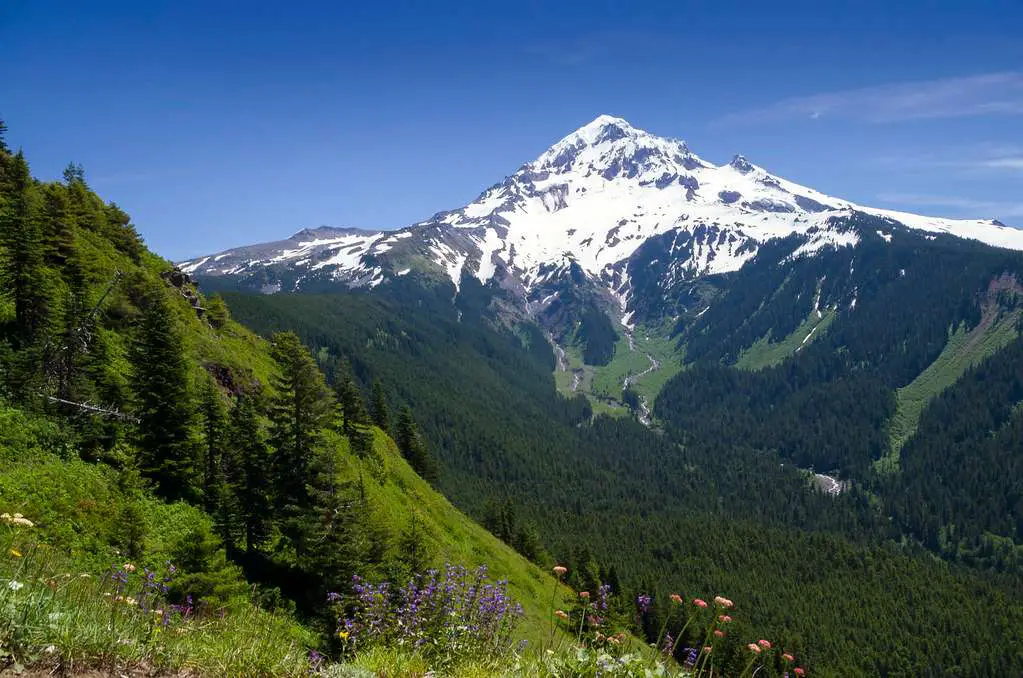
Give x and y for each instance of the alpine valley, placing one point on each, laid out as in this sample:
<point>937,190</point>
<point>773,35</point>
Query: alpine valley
<point>622,371</point>
<point>690,373</point>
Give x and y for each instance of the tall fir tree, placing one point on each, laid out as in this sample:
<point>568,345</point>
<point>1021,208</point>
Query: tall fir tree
<point>335,542</point>
<point>167,448</point>
<point>26,279</point>
<point>413,447</point>
<point>213,416</point>
<point>298,414</point>
<point>355,420</point>
<point>247,474</point>
<point>413,548</point>
<point>381,412</point>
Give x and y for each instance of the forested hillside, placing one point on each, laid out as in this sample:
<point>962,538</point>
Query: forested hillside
<point>618,501</point>
<point>909,390</point>
<point>148,440</point>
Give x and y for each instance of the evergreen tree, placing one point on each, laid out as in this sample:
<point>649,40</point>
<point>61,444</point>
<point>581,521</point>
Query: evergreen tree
<point>3,137</point>
<point>74,173</point>
<point>217,311</point>
<point>413,447</point>
<point>354,418</point>
<point>381,413</point>
<point>413,549</point>
<point>335,540</point>
<point>298,413</point>
<point>213,414</point>
<point>247,473</point>
<point>168,454</point>
<point>25,278</point>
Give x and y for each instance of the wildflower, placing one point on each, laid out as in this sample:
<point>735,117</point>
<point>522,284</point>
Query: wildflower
<point>724,618</point>
<point>766,644</point>
<point>560,570</point>
<point>723,602</point>
<point>707,649</point>
<point>676,598</point>
<point>699,602</point>
<point>643,603</point>
<point>613,640</point>
<point>128,567</point>
<point>585,595</point>
<point>15,552</point>
<point>131,602</point>
<point>602,595</point>
<point>787,657</point>
<point>719,633</point>
<point>15,585</point>
<point>798,671</point>
<point>561,614</point>
<point>157,613</point>
<point>754,648</point>
<point>16,519</point>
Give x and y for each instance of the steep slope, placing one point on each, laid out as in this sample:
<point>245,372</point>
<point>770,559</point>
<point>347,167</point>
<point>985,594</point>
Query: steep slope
<point>85,306</point>
<point>614,499</point>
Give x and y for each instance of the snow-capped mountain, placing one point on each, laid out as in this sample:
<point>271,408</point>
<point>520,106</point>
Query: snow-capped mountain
<point>581,211</point>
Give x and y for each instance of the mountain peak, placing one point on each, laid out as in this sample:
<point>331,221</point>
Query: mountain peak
<point>606,144</point>
<point>741,164</point>
<point>322,232</point>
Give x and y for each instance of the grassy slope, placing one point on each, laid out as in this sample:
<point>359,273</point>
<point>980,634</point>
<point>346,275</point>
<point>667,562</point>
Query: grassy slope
<point>766,352</point>
<point>963,350</point>
<point>452,537</point>
<point>82,510</point>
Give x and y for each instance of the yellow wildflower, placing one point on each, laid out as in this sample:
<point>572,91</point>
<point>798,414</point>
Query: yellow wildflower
<point>16,553</point>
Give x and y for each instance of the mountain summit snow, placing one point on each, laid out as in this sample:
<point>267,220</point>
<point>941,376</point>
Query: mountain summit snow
<point>581,210</point>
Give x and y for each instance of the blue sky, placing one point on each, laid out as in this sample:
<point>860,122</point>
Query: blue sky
<point>224,123</point>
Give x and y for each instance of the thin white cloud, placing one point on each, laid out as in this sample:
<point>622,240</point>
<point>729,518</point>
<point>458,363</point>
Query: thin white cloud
<point>981,158</point>
<point>1004,163</point>
<point>975,95</point>
<point>985,207</point>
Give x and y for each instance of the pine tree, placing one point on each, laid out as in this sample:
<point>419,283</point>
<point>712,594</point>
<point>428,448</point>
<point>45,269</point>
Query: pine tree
<point>247,474</point>
<point>381,413</point>
<point>413,448</point>
<point>413,549</point>
<point>168,454</point>
<point>298,414</point>
<point>334,542</point>
<point>3,137</point>
<point>74,173</point>
<point>25,277</point>
<point>355,421</point>
<point>217,311</point>
<point>213,414</point>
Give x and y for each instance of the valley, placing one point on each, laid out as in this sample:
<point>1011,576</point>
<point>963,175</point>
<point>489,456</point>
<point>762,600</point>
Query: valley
<point>799,394</point>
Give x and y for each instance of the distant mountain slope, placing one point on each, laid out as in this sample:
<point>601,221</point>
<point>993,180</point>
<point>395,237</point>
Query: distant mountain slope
<point>609,221</point>
<point>590,200</point>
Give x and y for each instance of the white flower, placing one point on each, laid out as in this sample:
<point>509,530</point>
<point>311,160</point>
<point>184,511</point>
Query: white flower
<point>15,585</point>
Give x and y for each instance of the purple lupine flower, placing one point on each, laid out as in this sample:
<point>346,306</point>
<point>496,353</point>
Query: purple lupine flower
<point>667,644</point>
<point>643,603</point>
<point>603,593</point>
